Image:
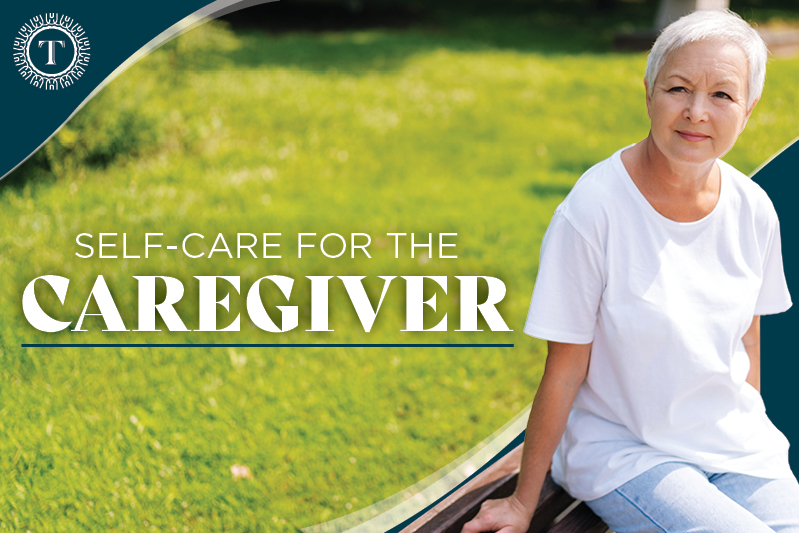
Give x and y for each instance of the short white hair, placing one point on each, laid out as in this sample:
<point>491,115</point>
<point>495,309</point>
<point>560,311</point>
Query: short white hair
<point>712,25</point>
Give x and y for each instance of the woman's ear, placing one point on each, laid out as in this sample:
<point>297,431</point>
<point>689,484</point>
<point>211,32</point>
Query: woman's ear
<point>752,108</point>
<point>648,99</point>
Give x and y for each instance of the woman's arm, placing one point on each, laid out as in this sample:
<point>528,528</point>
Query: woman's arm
<point>565,371</point>
<point>752,344</point>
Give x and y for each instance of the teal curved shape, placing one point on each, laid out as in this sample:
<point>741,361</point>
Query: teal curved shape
<point>779,177</point>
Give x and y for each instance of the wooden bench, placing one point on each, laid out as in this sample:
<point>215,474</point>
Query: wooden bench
<point>557,512</point>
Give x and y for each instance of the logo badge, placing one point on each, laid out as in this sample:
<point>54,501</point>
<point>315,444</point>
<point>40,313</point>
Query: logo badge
<point>51,51</point>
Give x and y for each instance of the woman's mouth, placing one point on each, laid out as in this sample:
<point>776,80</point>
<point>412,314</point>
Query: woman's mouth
<point>692,136</point>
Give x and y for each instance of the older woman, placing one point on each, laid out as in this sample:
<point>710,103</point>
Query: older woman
<point>655,270</point>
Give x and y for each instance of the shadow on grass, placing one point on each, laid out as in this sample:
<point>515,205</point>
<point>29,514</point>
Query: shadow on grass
<point>381,35</point>
<point>550,189</point>
<point>321,36</point>
<point>35,170</point>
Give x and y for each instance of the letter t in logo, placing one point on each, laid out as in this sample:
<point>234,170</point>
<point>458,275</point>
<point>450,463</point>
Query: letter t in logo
<point>51,50</point>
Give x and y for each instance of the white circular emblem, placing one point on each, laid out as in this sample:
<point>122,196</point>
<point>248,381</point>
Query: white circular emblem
<point>51,51</point>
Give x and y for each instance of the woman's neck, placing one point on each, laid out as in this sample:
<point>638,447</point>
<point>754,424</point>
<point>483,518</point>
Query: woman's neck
<point>678,190</point>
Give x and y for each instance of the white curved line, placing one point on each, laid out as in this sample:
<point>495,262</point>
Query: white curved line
<point>201,16</point>
<point>394,510</point>
<point>770,159</point>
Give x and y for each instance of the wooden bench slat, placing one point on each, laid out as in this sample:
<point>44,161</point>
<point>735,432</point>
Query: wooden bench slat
<point>499,481</point>
<point>580,520</point>
<point>552,502</point>
<point>452,519</point>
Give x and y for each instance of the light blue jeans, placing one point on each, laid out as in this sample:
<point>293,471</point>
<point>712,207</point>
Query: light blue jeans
<point>679,497</point>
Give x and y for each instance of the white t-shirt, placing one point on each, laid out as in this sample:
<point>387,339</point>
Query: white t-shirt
<point>665,304</point>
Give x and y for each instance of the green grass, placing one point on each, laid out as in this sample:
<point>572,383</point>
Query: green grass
<point>424,130</point>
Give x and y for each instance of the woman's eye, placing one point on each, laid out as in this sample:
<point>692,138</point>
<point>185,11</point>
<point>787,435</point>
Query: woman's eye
<point>723,95</point>
<point>677,89</point>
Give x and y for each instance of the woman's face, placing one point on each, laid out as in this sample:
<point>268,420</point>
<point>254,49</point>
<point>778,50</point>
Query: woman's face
<point>699,103</point>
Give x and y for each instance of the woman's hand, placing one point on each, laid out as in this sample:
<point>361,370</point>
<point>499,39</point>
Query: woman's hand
<point>508,515</point>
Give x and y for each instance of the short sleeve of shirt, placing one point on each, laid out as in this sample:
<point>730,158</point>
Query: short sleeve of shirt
<point>774,296</point>
<point>568,287</point>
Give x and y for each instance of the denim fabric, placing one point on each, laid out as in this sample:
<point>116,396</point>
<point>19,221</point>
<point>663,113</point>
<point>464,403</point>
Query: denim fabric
<point>679,497</point>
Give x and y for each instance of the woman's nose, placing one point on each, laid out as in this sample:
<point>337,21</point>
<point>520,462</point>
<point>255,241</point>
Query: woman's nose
<point>696,109</point>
